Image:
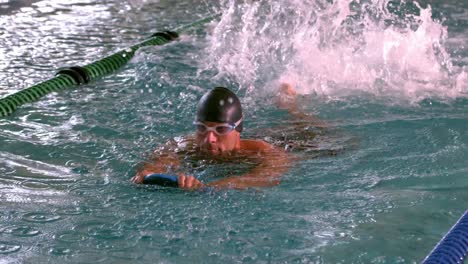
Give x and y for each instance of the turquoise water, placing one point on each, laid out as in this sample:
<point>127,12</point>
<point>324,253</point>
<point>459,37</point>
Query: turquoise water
<point>398,123</point>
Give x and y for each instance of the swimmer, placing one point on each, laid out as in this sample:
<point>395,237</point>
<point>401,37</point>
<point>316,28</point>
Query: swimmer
<point>219,123</point>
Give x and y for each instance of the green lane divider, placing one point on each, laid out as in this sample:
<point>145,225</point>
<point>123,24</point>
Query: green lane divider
<point>77,75</point>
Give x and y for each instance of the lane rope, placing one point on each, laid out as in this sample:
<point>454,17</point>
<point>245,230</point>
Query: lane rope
<point>78,75</point>
<point>453,247</point>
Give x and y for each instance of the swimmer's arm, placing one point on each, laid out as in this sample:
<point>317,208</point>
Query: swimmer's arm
<point>164,163</point>
<point>287,99</point>
<point>167,164</point>
<point>273,163</point>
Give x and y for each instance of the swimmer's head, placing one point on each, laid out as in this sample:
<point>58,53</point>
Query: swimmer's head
<point>220,105</point>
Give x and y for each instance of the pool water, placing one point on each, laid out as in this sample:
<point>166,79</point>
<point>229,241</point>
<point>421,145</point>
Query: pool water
<point>382,184</point>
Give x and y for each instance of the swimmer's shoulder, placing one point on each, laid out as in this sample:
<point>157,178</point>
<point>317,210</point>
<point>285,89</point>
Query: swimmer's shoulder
<point>255,145</point>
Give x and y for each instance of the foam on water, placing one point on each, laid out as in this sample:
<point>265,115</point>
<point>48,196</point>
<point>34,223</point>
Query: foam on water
<point>384,48</point>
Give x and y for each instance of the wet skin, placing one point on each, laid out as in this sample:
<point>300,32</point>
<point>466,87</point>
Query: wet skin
<point>271,161</point>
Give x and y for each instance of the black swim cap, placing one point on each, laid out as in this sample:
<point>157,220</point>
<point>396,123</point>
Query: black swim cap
<point>220,105</point>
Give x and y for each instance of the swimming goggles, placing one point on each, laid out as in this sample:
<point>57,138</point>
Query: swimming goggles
<point>221,129</point>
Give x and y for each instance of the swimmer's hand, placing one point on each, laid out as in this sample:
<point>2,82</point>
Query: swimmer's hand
<point>189,182</point>
<point>184,182</point>
<point>138,179</point>
<point>286,97</point>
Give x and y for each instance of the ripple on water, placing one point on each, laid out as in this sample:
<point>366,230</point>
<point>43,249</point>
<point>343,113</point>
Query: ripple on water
<point>72,211</point>
<point>21,231</point>
<point>35,185</point>
<point>59,251</point>
<point>126,253</point>
<point>71,236</point>
<point>39,217</point>
<point>7,248</point>
<point>98,230</point>
<point>106,233</point>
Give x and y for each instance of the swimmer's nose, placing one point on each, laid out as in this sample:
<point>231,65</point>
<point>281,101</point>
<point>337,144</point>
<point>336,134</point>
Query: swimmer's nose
<point>211,137</point>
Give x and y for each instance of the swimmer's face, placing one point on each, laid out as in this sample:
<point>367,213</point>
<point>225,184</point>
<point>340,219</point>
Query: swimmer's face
<point>214,143</point>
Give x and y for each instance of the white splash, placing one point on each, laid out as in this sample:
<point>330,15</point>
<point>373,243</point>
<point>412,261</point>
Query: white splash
<point>335,49</point>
